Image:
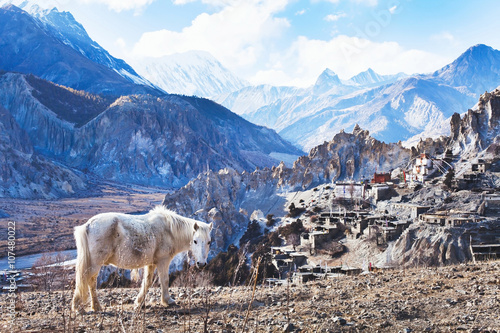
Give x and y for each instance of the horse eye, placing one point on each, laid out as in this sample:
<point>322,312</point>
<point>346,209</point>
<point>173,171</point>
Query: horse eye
<point>196,242</point>
<point>209,242</point>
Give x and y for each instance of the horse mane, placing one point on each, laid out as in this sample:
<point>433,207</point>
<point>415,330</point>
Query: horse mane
<point>179,225</point>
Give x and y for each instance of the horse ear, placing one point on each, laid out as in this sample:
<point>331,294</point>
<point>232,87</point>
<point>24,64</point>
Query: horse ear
<point>211,225</point>
<point>196,226</point>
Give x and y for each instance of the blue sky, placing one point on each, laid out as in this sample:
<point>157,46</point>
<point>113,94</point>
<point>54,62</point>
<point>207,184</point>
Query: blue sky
<point>290,42</point>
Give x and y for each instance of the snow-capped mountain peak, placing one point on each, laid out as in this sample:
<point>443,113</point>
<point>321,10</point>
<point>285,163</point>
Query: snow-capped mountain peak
<point>64,27</point>
<point>326,82</point>
<point>367,77</point>
<point>328,77</point>
<point>474,71</point>
<point>370,78</point>
<point>33,8</point>
<point>190,73</point>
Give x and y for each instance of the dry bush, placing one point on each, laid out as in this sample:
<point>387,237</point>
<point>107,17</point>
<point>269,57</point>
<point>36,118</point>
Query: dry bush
<point>50,273</point>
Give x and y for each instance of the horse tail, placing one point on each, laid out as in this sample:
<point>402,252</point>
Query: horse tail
<point>82,267</point>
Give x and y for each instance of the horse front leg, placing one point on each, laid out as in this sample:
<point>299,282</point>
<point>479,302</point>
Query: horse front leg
<point>166,300</point>
<point>147,281</point>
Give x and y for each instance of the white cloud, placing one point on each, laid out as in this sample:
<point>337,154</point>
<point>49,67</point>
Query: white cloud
<point>331,1</point>
<point>443,36</point>
<point>300,12</point>
<point>121,5</point>
<point>393,9</point>
<point>335,17</point>
<point>235,35</point>
<point>121,43</point>
<point>216,3</point>
<point>347,56</point>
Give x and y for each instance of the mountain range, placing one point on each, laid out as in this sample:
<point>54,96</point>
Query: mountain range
<point>393,108</point>
<point>235,196</point>
<point>140,139</point>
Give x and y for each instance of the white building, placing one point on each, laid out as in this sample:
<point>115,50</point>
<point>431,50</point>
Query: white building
<point>349,190</point>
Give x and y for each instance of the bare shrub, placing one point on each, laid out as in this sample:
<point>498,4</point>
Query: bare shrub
<point>332,249</point>
<point>49,273</point>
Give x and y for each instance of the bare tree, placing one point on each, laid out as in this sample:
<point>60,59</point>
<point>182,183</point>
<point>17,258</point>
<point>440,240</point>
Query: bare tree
<point>294,240</point>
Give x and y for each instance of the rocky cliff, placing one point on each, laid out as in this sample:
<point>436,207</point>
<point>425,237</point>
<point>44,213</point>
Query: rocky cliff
<point>479,129</point>
<point>354,155</point>
<point>427,245</point>
<point>26,174</point>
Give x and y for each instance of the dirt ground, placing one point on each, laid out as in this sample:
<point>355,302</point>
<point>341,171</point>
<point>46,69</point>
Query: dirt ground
<point>47,225</point>
<point>465,298</point>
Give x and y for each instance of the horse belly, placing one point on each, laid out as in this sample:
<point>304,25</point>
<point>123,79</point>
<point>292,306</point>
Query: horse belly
<point>132,258</point>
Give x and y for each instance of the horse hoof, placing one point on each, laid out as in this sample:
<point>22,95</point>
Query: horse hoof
<point>170,302</point>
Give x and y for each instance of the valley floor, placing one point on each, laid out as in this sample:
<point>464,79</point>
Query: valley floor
<point>464,297</point>
<point>47,225</point>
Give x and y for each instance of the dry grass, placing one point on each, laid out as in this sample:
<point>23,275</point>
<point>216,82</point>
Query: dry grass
<point>444,299</point>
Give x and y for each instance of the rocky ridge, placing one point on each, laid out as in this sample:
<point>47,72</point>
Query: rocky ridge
<point>479,129</point>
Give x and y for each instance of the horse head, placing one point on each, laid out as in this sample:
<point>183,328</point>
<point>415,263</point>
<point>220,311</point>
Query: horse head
<point>201,243</point>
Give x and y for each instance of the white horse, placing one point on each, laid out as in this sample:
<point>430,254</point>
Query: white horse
<point>135,241</point>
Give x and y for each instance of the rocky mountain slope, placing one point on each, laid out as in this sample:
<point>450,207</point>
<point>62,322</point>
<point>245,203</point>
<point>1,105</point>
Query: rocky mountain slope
<point>195,73</point>
<point>163,141</point>
<point>26,174</point>
<point>53,46</point>
<point>474,136</point>
<point>392,109</point>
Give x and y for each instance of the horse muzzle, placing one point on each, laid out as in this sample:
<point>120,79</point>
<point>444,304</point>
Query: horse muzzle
<point>201,264</point>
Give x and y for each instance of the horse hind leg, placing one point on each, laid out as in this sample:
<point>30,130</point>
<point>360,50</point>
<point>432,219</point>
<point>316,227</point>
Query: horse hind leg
<point>81,294</point>
<point>147,281</point>
<point>96,307</point>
